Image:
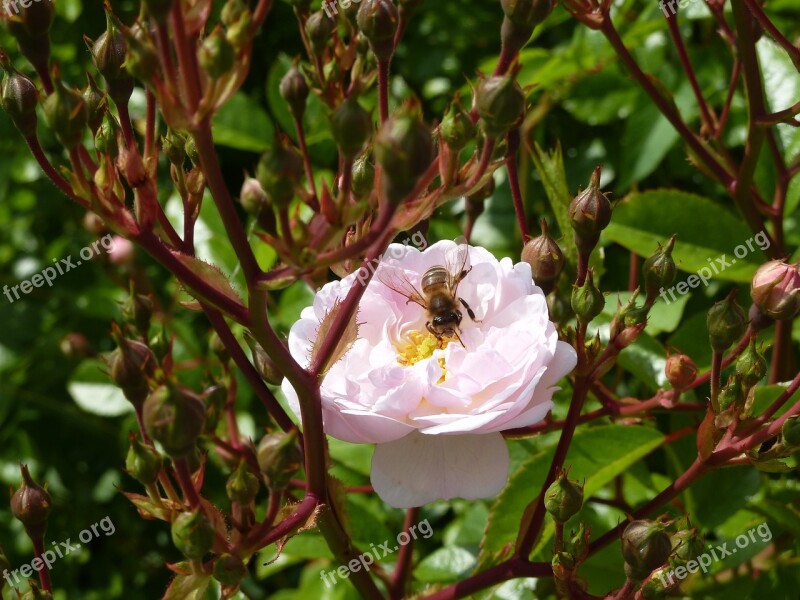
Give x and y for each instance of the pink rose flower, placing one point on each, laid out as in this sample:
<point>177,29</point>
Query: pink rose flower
<point>436,413</point>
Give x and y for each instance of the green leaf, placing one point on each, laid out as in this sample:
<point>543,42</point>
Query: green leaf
<point>211,275</point>
<point>718,495</point>
<point>550,167</point>
<point>243,124</point>
<point>445,564</point>
<point>188,587</point>
<point>621,447</point>
<point>708,235</point>
<point>91,389</point>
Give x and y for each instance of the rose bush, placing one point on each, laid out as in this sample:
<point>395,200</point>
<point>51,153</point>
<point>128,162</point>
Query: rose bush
<point>436,413</point>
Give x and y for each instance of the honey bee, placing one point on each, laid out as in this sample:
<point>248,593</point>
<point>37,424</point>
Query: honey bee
<point>439,292</point>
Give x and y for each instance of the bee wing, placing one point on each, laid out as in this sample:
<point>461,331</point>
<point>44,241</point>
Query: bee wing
<point>456,261</point>
<point>396,279</point>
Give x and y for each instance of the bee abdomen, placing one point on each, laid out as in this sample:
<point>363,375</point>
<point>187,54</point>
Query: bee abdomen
<point>435,276</point>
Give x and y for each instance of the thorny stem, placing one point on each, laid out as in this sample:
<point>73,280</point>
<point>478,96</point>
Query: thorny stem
<point>383,89</point>
<point>513,180</point>
<point>716,372</point>
<point>301,141</point>
<point>44,572</point>
<point>185,480</point>
<point>403,568</point>
<point>758,12</point>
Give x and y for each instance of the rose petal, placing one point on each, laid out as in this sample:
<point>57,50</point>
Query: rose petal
<point>418,468</point>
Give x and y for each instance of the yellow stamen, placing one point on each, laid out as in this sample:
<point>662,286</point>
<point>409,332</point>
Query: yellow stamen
<point>419,347</point>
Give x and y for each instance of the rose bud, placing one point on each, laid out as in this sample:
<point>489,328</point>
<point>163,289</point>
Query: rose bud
<point>521,16</point>
<point>587,300</point>
<point>589,213</point>
<point>143,462</point>
<point>242,485</point>
<point>659,270</point>
<point>191,150</point>
<point>216,54</point>
<point>265,366</point>
<point>18,97</point>
<point>363,176</point>
<point>159,9</point>
<point>680,371</point>
<point>108,54</point>
<point>645,547</point>
<point>544,256</point>
<point>351,126</point>
<point>229,570</point>
<point>457,128</point>
<point>294,90</point>
<point>96,104</point>
<point>138,310</point>
<point>751,366</point>
<point>132,365</point>
<point>564,498</point>
<point>500,103</point>
<point>279,172</point>
<point>174,417</point>
<point>174,147</point>
<point>404,151</point>
<point>790,431</point>
<point>688,545</point>
<point>141,59</point>
<point>776,289</point>
<point>31,505</point>
<point>378,20</point>
<point>193,534</point>
<point>30,26</point>
<point>731,394</point>
<point>319,29</point>
<point>65,112</point>
<point>105,138</point>
<point>278,458</point>
<point>726,323</point>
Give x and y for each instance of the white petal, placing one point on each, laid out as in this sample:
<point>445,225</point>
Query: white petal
<point>419,468</point>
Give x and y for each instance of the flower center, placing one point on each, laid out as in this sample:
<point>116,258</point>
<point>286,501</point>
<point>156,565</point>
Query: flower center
<point>419,346</point>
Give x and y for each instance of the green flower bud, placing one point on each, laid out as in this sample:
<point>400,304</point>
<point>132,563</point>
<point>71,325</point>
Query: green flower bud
<point>138,310</point>
<point>587,300</point>
<point>751,365</point>
<point>731,394</point>
<point>351,126</point>
<point>193,534</point>
<point>159,9</point>
<point>319,29</point>
<point>564,498</point>
<point>294,90</point>
<point>776,289</point>
<point>65,112</point>
<point>457,128</point>
<point>544,256</point>
<point>141,59</point>
<point>378,20</point>
<point>589,213</point>
<point>105,139</point>
<point>279,172</point>
<point>680,371</point>
<point>132,364</point>
<point>527,13</point>
<point>174,417</point>
<point>191,150</point>
<point>216,55</point>
<point>500,103</point>
<point>404,150</point>
<point>363,176</point>
<point>18,97</point>
<point>96,104</point>
<point>790,431</point>
<point>143,462</point>
<point>659,270</point>
<point>265,366</point>
<point>31,505</point>
<point>174,147</point>
<point>688,545</point>
<point>645,547</point>
<point>108,54</point>
<point>229,570</point>
<point>279,458</point>
<point>726,323</point>
<point>242,486</point>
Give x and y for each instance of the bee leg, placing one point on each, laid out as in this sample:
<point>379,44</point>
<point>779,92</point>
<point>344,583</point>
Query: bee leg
<point>458,337</point>
<point>470,312</point>
<point>429,328</point>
